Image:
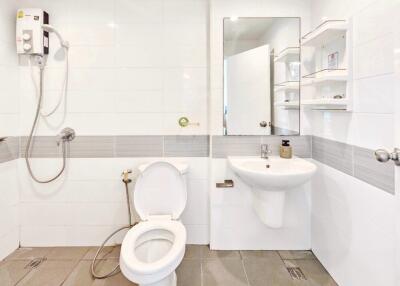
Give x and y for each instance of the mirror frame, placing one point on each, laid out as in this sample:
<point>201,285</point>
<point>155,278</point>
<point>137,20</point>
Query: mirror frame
<point>224,127</point>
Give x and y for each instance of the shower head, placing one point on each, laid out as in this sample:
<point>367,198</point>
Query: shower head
<point>51,29</point>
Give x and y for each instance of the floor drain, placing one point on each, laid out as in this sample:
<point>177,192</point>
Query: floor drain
<point>296,273</point>
<point>35,262</point>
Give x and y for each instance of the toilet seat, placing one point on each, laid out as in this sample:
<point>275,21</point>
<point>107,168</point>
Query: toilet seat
<point>149,272</point>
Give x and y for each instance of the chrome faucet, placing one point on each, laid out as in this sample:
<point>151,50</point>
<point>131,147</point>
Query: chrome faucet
<point>265,151</point>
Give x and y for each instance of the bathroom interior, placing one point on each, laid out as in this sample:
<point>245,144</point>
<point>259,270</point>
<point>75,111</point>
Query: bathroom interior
<point>200,142</point>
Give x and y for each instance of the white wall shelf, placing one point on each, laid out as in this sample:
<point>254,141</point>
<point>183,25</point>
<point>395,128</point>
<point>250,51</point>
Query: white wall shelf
<point>290,54</point>
<point>326,103</point>
<point>287,86</point>
<point>330,44</point>
<point>324,33</point>
<point>326,76</point>
<point>288,105</point>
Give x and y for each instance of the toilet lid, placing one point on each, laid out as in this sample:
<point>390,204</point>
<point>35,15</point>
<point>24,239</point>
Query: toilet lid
<point>160,189</point>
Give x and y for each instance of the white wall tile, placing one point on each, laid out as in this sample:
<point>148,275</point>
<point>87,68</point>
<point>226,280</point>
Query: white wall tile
<point>185,11</point>
<point>139,33</point>
<point>91,34</point>
<point>151,101</point>
<point>90,11</point>
<point>139,55</point>
<point>9,125</point>
<point>184,56</point>
<point>93,80</point>
<point>179,78</point>
<point>128,79</point>
<point>375,57</point>
<point>9,242</point>
<point>197,206</point>
<point>89,102</point>
<point>375,95</point>
<point>139,11</point>
<point>374,21</point>
<point>347,224</point>
<point>94,202</point>
<point>91,57</point>
<point>373,131</point>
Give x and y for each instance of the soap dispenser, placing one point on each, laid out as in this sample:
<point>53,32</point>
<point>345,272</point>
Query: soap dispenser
<point>285,150</point>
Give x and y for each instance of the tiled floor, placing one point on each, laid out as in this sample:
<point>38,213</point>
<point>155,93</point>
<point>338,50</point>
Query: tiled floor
<point>70,266</point>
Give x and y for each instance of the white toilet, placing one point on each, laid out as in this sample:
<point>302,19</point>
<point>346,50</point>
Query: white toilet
<point>154,248</point>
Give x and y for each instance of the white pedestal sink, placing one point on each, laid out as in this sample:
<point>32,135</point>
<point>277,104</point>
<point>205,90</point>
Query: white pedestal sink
<point>270,179</point>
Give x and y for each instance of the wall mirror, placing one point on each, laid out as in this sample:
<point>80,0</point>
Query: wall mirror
<point>261,76</point>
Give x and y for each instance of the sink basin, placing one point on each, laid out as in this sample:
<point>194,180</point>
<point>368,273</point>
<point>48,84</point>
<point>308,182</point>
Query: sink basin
<point>272,173</point>
<point>270,179</point>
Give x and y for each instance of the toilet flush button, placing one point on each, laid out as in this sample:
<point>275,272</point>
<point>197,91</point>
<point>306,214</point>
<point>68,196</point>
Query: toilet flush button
<point>27,47</point>
<point>26,37</point>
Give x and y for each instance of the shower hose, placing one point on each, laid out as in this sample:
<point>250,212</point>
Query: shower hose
<point>35,121</point>
<point>116,268</point>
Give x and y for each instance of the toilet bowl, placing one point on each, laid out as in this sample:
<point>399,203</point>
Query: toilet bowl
<point>154,248</point>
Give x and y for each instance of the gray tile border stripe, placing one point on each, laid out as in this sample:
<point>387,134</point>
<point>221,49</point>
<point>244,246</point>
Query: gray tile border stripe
<point>368,169</point>
<point>223,146</point>
<point>334,154</point>
<point>9,149</point>
<point>92,147</point>
<point>138,146</point>
<point>113,146</point>
<point>41,147</point>
<point>354,161</point>
<point>186,146</point>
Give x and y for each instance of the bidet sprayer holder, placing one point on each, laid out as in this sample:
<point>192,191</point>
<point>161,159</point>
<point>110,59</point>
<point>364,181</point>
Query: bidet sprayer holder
<point>125,176</point>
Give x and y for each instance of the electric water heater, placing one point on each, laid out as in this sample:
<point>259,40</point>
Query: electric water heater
<point>30,36</point>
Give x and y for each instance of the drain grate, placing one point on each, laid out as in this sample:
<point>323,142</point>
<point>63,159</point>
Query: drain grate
<point>296,273</point>
<point>35,262</point>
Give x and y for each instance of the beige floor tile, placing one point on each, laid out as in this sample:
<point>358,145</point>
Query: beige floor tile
<point>201,266</point>
<point>223,272</point>
<point>111,252</point>
<point>13,271</point>
<point>207,253</point>
<point>29,253</point>
<point>267,254</point>
<point>193,251</point>
<point>296,254</point>
<point>116,280</point>
<point>314,272</point>
<point>81,275</point>
<point>268,270</point>
<point>49,273</point>
<point>67,253</point>
<point>189,272</point>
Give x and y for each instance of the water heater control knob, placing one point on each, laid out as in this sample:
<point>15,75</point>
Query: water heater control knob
<point>26,37</point>
<point>27,47</point>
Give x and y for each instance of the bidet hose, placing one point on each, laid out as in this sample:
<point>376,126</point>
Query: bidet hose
<point>116,268</point>
<point>29,142</point>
